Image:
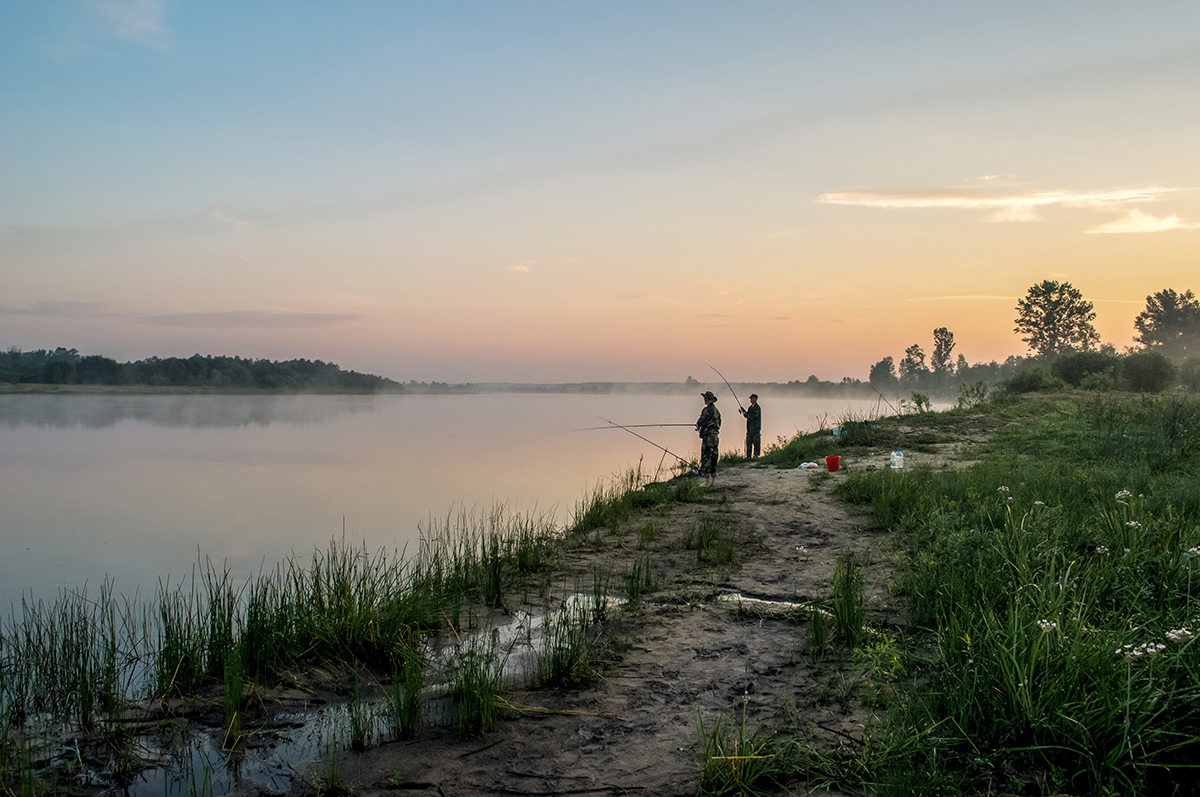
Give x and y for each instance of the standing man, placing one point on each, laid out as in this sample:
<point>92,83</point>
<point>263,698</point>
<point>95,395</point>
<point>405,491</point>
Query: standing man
<point>753,415</point>
<point>708,425</point>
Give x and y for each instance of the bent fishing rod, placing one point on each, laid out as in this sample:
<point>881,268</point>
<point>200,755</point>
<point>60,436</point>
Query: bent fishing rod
<point>651,442</point>
<point>632,426</point>
<point>726,381</point>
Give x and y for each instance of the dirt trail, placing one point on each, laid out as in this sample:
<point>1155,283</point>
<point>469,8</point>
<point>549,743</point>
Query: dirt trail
<point>682,652</point>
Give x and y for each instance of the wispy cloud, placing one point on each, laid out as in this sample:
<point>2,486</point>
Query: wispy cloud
<point>961,298</point>
<point>247,319</point>
<point>57,309</point>
<point>1006,206</point>
<point>220,215</point>
<point>1137,221</point>
<point>518,267</point>
<point>143,21</point>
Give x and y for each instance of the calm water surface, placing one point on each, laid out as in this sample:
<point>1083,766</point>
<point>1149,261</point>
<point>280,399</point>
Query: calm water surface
<point>138,488</point>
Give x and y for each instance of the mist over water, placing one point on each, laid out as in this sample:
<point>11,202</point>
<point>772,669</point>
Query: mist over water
<point>139,489</point>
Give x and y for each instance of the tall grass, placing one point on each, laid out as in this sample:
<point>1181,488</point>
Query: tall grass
<point>79,658</point>
<point>1059,577</point>
<point>611,505</point>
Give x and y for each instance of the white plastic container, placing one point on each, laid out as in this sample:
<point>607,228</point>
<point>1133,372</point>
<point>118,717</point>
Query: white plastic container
<point>898,459</point>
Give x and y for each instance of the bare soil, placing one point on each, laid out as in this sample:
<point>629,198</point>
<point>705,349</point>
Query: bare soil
<point>633,730</point>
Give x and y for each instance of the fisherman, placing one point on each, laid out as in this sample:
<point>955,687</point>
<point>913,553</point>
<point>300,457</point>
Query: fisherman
<point>708,425</point>
<point>753,415</point>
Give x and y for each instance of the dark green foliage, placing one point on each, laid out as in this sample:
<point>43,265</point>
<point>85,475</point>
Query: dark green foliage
<point>1031,381</point>
<point>1074,367</point>
<point>67,366</point>
<point>1148,372</point>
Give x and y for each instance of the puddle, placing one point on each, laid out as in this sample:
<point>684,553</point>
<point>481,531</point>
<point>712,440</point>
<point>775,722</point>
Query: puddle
<point>189,759</point>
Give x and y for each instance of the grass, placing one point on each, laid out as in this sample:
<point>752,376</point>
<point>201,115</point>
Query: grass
<point>476,687</point>
<point>849,617</point>
<point>1058,585</point>
<point>733,759</point>
<point>404,699</point>
<point>610,506</point>
<point>565,657</point>
<point>712,540</point>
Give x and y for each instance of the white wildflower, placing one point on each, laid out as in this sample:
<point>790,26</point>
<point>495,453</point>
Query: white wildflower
<point>1133,524</point>
<point>1123,495</point>
<point>1047,625</point>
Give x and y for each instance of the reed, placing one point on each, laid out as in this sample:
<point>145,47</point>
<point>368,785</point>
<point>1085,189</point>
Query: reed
<point>476,686</point>
<point>565,657</point>
<point>235,686</point>
<point>361,718</point>
<point>404,699</point>
<point>639,579</point>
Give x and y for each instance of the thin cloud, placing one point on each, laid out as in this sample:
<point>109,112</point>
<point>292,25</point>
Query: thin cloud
<point>247,319</point>
<point>1137,221</point>
<point>960,297</point>
<point>518,267</point>
<point>57,309</point>
<point>1007,207</point>
<point>222,216</point>
<point>142,21</point>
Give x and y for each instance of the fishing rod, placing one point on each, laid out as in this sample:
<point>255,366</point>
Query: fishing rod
<point>632,426</point>
<point>651,442</point>
<point>885,401</point>
<point>726,381</point>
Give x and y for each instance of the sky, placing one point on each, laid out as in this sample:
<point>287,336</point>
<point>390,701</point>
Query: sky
<point>568,191</point>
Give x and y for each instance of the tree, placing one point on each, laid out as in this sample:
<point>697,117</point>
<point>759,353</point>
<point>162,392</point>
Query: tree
<point>883,373</point>
<point>1170,323</point>
<point>913,364</point>
<point>1054,317</point>
<point>961,366</point>
<point>943,345</point>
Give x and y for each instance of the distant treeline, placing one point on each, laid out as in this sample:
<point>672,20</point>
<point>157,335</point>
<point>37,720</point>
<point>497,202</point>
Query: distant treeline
<point>68,367</point>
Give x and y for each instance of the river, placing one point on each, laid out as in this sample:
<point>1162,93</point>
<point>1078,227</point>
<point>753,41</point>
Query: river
<point>138,489</point>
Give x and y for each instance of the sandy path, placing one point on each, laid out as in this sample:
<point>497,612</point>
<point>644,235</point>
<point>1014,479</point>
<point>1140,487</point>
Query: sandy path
<point>682,653</point>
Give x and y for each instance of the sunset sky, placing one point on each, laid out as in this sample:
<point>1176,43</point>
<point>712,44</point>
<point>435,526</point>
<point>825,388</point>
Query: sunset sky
<point>567,191</point>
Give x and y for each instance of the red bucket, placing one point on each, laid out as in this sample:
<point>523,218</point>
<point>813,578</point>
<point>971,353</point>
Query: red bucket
<point>833,463</point>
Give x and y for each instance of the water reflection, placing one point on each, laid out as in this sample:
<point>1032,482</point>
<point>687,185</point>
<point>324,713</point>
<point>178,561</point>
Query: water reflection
<point>140,488</point>
<point>196,412</point>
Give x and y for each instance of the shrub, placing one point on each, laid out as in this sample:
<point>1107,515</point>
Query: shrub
<point>1073,368</point>
<point>1189,373</point>
<point>1032,381</point>
<point>1149,372</point>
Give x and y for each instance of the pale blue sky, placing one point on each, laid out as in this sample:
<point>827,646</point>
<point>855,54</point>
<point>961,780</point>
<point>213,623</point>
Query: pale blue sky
<point>563,191</point>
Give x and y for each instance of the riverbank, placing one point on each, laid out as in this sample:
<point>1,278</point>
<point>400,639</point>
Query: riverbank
<point>1027,577</point>
<point>691,650</point>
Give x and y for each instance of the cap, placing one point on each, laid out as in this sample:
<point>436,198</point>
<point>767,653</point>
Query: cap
<point>708,395</point>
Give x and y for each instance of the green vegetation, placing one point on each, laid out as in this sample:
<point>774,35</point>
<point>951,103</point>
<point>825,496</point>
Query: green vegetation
<point>1057,580</point>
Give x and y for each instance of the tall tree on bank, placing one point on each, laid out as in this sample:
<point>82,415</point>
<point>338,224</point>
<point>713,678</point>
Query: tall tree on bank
<point>883,374</point>
<point>912,367</point>
<point>943,345</point>
<point>1170,323</point>
<point>1054,317</point>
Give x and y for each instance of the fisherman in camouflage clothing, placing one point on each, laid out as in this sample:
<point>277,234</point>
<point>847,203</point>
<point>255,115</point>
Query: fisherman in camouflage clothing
<point>709,427</point>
